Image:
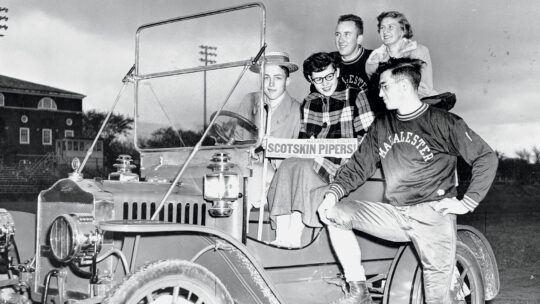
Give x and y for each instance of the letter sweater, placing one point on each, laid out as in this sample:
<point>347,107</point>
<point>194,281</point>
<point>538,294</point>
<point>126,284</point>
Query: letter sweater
<point>418,153</point>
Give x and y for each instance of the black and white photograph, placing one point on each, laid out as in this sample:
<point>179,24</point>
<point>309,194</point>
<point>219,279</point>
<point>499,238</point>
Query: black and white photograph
<point>300,151</point>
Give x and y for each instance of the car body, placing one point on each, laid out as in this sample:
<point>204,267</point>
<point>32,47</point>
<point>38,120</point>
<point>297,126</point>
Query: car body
<point>186,227</point>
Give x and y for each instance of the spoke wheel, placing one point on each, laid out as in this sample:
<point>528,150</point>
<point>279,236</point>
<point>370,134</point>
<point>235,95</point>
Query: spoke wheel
<point>170,282</point>
<point>470,285</point>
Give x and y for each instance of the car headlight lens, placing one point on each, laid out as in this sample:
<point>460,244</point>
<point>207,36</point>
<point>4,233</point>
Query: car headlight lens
<point>73,236</point>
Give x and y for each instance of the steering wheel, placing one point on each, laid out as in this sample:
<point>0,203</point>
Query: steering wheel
<point>245,123</point>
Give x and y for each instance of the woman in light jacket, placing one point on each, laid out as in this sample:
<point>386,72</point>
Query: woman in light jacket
<point>396,33</point>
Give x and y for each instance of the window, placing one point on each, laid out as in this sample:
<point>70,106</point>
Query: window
<point>98,146</point>
<point>81,146</point>
<point>70,145</point>
<point>24,119</point>
<point>2,100</point>
<point>24,136</point>
<point>47,137</point>
<point>69,133</point>
<point>47,103</point>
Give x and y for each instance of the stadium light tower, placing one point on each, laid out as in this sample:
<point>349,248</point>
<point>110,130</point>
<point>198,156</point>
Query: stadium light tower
<point>3,10</point>
<point>207,54</point>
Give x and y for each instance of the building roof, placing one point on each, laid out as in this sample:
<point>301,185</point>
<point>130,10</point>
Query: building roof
<point>14,85</point>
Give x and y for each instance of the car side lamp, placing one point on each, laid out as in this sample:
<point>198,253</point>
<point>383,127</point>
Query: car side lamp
<point>123,170</point>
<point>75,165</point>
<point>221,186</point>
<point>7,230</point>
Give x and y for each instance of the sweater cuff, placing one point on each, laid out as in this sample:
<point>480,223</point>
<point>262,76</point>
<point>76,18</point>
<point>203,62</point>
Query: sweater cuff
<point>469,203</point>
<point>337,190</point>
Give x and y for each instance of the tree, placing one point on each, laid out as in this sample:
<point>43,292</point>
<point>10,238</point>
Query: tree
<point>500,155</point>
<point>168,138</point>
<point>118,127</point>
<point>536,155</point>
<point>523,155</point>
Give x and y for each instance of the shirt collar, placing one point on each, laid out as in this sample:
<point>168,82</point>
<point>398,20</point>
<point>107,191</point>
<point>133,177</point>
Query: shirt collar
<point>274,104</point>
<point>355,59</point>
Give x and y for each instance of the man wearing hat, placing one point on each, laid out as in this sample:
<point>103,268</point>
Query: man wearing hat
<point>285,110</point>
<point>279,106</point>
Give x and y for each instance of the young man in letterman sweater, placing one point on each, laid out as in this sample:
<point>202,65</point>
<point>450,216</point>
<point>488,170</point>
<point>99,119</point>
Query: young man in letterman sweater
<point>417,146</point>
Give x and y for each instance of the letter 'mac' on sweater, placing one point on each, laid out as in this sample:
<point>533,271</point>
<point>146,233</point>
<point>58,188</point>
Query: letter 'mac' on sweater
<point>406,137</point>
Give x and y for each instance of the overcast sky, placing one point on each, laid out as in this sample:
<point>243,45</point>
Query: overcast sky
<point>485,51</point>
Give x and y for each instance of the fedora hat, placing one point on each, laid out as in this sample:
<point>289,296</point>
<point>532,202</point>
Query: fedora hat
<point>277,58</point>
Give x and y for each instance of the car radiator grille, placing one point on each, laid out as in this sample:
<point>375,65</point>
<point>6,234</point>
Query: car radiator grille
<point>186,213</point>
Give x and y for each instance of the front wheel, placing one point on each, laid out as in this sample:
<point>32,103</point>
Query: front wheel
<point>470,284</point>
<point>170,282</point>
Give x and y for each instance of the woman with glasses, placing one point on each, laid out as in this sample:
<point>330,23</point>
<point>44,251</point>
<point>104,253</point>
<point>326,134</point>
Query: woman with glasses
<point>332,111</point>
<point>396,33</point>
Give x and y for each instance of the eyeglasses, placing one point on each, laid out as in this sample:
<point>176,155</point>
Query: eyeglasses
<point>319,80</point>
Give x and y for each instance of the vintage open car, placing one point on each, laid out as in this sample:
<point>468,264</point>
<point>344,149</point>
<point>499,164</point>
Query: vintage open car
<point>190,227</point>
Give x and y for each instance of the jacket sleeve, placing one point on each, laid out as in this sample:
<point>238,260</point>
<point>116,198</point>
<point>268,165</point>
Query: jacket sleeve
<point>298,119</point>
<point>477,153</point>
<point>358,169</point>
<point>365,115</point>
<point>426,82</point>
<point>302,134</point>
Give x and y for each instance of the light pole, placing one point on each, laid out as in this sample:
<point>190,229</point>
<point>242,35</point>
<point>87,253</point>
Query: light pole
<point>206,53</point>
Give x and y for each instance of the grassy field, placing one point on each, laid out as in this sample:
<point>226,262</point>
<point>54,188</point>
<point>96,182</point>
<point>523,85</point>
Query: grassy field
<point>510,219</point>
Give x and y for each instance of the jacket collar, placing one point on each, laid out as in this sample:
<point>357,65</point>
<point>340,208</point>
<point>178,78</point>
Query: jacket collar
<point>423,108</point>
<point>381,54</point>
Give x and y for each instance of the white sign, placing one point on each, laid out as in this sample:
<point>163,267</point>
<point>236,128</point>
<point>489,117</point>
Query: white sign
<point>310,148</point>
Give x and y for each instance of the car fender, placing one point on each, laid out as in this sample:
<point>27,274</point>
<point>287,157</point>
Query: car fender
<point>401,276</point>
<point>403,269</point>
<point>483,253</point>
<point>221,254</point>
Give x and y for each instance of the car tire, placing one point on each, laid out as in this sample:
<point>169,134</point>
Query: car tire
<point>159,281</point>
<point>470,275</point>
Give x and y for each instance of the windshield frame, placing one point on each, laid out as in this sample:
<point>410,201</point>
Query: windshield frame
<point>174,72</point>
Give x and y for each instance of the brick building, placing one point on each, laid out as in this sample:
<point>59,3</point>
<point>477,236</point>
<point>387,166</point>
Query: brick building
<point>38,121</point>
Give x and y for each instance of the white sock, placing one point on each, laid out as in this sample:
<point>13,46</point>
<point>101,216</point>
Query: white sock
<point>348,253</point>
<point>282,226</point>
<point>295,229</point>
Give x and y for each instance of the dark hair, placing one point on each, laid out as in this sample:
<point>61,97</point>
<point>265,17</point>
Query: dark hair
<point>403,68</point>
<point>285,70</point>
<point>318,62</point>
<point>402,20</point>
<point>357,21</point>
